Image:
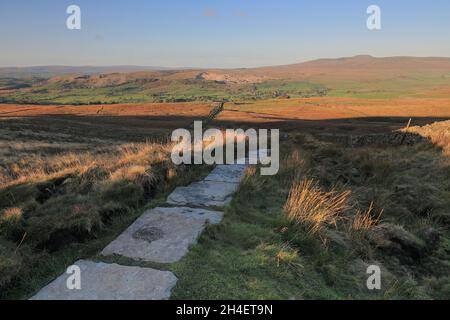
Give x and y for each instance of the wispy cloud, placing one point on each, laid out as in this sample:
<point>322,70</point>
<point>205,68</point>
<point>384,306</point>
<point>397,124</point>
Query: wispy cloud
<point>208,12</point>
<point>240,13</point>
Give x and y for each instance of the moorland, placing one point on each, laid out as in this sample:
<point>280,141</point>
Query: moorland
<point>83,154</point>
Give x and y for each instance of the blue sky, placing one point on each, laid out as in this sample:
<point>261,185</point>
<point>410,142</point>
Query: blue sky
<point>220,33</point>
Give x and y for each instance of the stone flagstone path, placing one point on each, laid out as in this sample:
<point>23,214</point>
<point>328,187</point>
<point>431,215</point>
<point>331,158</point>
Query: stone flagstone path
<point>103,281</point>
<point>160,235</point>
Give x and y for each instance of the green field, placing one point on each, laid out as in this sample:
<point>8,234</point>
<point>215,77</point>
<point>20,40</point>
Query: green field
<point>43,91</point>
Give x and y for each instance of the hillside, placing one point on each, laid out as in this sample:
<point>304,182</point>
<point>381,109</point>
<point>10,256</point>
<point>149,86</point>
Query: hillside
<point>358,68</point>
<point>359,76</point>
<point>49,71</point>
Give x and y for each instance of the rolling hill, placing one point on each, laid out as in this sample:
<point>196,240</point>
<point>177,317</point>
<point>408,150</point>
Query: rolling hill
<point>360,76</point>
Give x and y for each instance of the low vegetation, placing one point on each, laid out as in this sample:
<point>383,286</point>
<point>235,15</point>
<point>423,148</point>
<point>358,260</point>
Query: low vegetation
<point>372,205</point>
<point>313,208</point>
<point>365,220</point>
<point>438,133</point>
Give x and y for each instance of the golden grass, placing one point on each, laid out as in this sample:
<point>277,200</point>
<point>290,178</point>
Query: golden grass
<point>13,213</point>
<point>250,172</point>
<point>438,133</point>
<point>160,112</point>
<point>129,161</point>
<point>313,208</point>
<point>365,220</point>
<point>442,139</point>
<point>136,173</point>
<point>331,108</point>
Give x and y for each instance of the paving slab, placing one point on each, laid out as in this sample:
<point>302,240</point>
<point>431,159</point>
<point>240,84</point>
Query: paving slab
<point>227,173</point>
<point>162,234</point>
<point>210,216</point>
<point>203,194</point>
<point>103,281</point>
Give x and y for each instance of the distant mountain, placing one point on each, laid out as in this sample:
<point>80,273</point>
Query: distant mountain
<point>362,67</point>
<point>49,71</point>
<point>357,68</point>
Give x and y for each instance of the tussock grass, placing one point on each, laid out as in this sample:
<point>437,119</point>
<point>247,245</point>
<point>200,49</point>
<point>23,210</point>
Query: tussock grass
<point>10,214</point>
<point>313,208</point>
<point>438,133</point>
<point>288,256</point>
<point>365,220</point>
<point>11,220</point>
<point>112,160</point>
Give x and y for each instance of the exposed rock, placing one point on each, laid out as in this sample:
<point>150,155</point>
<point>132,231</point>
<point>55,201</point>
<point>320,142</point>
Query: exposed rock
<point>221,77</point>
<point>397,241</point>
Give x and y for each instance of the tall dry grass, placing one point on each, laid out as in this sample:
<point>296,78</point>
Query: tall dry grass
<point>10,214</point>
<point>442,139</point>
<point>313,208</point>
<point>438,133</point>
<point>129,161</point>
<point>295,165</point>
<point>365,220</point>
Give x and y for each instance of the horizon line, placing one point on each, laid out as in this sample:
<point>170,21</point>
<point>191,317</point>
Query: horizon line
<point>173,68</point>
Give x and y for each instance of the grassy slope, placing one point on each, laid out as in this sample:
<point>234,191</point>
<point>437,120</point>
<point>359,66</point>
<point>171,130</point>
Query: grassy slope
<point>416,85</point>
<point>167,91</point>
<point>255,253</point>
